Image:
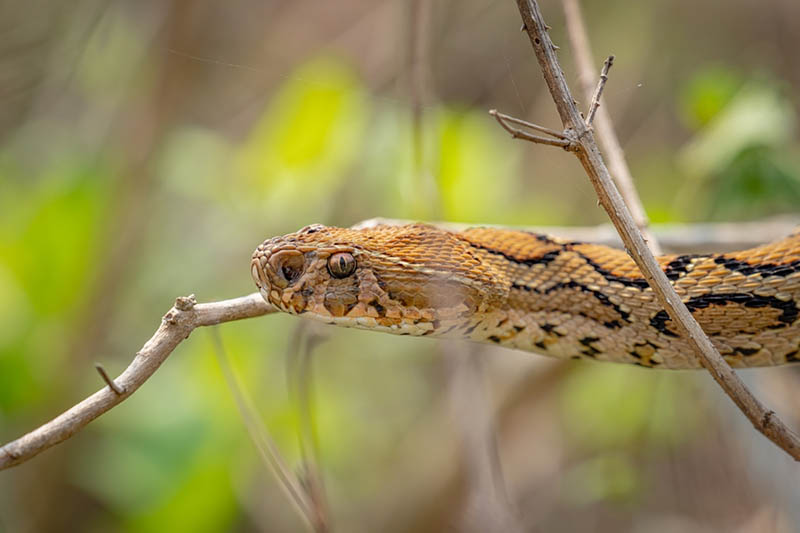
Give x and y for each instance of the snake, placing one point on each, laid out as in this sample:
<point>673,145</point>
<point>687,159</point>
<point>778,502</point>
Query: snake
<point>535,292</point>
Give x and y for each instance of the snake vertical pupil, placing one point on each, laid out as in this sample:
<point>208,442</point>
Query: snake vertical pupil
<point>341,265</point>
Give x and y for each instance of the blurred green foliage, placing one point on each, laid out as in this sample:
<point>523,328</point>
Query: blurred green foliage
<point>325,147</point>
<point>309,135</point>
<point>50,233</point>
<point>609,478</point>
<point>706,95</point>
<point>740,163</point>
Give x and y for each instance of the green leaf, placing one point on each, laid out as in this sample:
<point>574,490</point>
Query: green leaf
<point>758,116</point>
<point>476,167</point>
<point>608,406</point>
<point>609,477</point>
<point>707,94</point>
<point>307,139</point>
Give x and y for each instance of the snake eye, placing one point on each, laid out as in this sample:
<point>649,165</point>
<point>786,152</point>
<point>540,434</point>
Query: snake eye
<point>341,265</point>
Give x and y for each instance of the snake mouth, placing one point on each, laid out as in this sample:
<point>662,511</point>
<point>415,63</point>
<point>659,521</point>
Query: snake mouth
<point>258,270</point>
<point>260,276</point>
<point>258,273</point>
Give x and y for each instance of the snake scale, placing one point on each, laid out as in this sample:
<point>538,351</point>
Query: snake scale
<point>536,292</point>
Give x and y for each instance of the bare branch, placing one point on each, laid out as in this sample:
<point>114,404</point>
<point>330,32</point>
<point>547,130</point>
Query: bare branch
<point>519,134</point>
<point>110,382</point>
<point>177,324</point>
<point>579,39</point>
<point>676,238</point>
<point>514,120</point>
<point>187,315</point>
<point>598,92</point>
<point>418,41</point>
<point>589,155</point>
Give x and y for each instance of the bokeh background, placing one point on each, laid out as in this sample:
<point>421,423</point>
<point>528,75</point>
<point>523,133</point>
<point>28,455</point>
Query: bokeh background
<point>147,147</point>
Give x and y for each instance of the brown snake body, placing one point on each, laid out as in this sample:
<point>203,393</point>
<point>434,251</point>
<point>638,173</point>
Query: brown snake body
<point>535,292</point>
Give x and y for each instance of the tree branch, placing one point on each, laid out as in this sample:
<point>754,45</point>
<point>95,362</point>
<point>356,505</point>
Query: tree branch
<point>598,92</point>
<point>588,153</point>
<point>517,133</point>
<point>579,40</point>
<point>186,315</point>
<point>177,324</point>
<point>110,382</point>
<point>676,238</point>
<point>503,118</point>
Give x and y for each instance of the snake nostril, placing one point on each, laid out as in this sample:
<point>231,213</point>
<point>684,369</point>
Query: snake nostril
<point>288,266</point>
<point>290,273</point>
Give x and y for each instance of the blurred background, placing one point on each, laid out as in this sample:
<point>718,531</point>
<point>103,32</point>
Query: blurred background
<point>147,147</point>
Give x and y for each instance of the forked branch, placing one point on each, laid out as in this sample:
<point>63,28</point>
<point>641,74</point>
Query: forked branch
<point>559,139</point>
<point>186,315</point>
<point>606,135</point>
<point>177,324</point>
<point>589,155</point>
<point>174,327</point>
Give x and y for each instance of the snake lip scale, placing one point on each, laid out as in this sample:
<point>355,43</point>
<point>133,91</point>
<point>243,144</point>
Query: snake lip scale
<point>535,292</point>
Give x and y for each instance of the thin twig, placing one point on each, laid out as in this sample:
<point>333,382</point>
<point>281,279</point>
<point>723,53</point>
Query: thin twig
<point>606,136</point>
<point>177,324</point>
<point>518,121</point>
<point>589,155</point>
<point>519,134</point>
<point>421,93</point>
<point>110,382</point>
<point>527,392</point>
<point>299,378</point>
<point>264,443</point>
<point>598,92</point>
<point>487,506</point>
<point>676,238</point>
<point>185,316</point>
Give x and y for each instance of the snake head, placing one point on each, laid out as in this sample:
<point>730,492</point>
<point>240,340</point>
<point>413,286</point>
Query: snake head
<point>293,271</point>
<point>403,279</point>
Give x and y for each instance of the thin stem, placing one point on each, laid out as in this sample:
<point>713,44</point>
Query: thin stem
<point>676,238</point>
<point>598,92</point>
<point>187,315</point>
<point>514,120</point>
<point>299,378</point>
<point>763,420</point>
<point>519,134</point>
<point>177,324</point>
<point>267,449</point>
<point>603,126</point>
<point>110,382</point>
